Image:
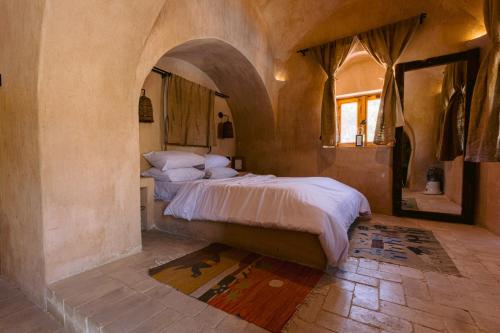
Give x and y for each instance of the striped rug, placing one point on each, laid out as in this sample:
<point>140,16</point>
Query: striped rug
<point>259,289</point>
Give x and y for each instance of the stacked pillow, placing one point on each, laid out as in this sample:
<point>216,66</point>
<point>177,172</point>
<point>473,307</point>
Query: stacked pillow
<point>174,166</point>
<point>178,166</point>
<point>216,167</point>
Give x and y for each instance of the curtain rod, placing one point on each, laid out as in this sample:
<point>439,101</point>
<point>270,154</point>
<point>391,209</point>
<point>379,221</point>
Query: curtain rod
<point>165,73</point>
<point>304,50</point>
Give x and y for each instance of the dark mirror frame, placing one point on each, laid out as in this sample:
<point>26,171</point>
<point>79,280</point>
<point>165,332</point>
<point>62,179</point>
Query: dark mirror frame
<point>469,170</point>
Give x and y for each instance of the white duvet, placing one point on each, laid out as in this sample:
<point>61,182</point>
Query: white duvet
<point>317,205</point>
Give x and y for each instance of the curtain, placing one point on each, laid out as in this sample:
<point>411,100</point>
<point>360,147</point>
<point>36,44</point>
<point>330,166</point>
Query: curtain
<point>190,114</point>
<point>331,56</point>
<point>483,142</point>
<point>451,130</point>
<point>164,102</point>
<point>386,44</point>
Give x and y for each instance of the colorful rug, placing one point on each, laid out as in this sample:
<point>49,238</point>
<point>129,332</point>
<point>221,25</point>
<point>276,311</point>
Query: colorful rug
<point>261,290</point>
<point>398,245</point>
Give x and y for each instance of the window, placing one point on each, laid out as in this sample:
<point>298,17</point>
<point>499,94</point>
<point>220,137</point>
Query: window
<point>352,112</point>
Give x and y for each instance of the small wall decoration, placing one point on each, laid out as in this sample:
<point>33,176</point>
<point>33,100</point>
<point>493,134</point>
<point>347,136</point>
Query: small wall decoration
<point>238,163</point>
<point>360,136</point>
<point>145,108</point>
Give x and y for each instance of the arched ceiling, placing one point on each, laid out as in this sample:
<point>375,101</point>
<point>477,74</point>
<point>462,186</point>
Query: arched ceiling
<point>235,75</point>
<point>294,24</point>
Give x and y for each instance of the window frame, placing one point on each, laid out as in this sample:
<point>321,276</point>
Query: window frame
<point>362,101</point>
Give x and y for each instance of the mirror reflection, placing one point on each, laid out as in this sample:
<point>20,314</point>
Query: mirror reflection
<point>433,138</point>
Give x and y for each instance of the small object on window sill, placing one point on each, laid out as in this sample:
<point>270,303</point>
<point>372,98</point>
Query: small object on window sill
<point>359,140</point>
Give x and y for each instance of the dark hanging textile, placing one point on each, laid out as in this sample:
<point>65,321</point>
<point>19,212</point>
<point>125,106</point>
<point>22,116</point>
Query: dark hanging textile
<point>451,133</point>
<point>190,114</point>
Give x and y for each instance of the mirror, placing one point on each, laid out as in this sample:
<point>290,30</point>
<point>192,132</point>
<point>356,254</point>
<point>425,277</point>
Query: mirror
<point>431,179</point>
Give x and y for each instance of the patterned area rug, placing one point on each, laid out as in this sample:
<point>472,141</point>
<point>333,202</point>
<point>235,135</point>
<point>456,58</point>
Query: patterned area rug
<point>261,290</point>
<point>398,245</point>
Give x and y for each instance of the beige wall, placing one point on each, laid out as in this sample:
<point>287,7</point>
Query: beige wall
<point>150,134</point>
<point>488,197</point>
<point>21,229</point>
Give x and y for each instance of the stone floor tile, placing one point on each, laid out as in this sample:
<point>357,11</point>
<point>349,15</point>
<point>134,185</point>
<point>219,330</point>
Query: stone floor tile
<point>368,264</point>
<point>309,309</point>
<point>380,320</point>
<point>422,329</point>
<point>296,325</point>
<point>252,328</point>
<point>389,268</point>
<point>185,325</point>
<point>128,320</point>
<point>366,297</point>
<point>340,324</point>
<point>439,310</point>
<point>416,288</point>
<point>380,275</point>
<point>183,303</point>
<point>12,305</point>
<point>158,322</point>
<point>338,301</point>
<point>353,277</point>
<point>108,313</point>
<point>415,316</point>
<point>392,292</point>
<point>210,316</point>
<point>231,324</point>
<point>453,326</point>
<point>411,272</point>
<point>488,324</point>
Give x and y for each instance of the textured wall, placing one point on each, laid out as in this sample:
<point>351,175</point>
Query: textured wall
<point>488,197</point>
<point>21,229</point>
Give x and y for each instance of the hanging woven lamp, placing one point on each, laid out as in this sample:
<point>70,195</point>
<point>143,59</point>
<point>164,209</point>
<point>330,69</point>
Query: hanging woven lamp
<point>145,108</point>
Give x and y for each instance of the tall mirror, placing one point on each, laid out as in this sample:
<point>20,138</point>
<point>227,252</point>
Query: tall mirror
<point>431,179</point>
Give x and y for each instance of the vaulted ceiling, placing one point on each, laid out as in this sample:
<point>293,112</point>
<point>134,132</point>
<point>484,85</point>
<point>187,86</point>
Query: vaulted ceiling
<point>293,24</point>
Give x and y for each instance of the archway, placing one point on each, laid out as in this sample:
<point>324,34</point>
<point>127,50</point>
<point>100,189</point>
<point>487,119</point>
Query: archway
<point>236,76</point>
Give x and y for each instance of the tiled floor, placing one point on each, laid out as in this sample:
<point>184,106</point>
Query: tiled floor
<point>434,203</point>
<point>19,315</point>
<point>362,296</point>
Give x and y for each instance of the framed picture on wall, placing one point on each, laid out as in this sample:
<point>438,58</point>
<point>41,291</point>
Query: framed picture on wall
<point>238,163</point>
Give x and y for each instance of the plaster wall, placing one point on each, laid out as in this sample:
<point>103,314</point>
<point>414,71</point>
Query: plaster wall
<point>150,134</point>
<point>453,175</point>
<point>21,230</point>
<point>488,197</point>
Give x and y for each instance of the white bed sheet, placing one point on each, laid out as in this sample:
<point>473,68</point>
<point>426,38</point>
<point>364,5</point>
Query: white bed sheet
<point>166,191</point>
<point>317,205</point>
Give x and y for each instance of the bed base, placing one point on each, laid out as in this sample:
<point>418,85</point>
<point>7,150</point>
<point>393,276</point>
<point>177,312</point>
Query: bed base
<point>300,247</point>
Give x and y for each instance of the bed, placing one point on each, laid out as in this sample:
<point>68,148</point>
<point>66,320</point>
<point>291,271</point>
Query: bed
<point>301,219</point>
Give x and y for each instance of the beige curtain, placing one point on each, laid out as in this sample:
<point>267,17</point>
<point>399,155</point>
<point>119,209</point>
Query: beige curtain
<point>331,56</point>
<point>386,44</point>
<point>483,142</point>
<point>451,133</point>
<point>190,114</point>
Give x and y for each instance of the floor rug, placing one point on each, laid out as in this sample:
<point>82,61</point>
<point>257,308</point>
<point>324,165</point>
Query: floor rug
<point>259,289</point>
<point>409,204</point>
<point>412,247</point>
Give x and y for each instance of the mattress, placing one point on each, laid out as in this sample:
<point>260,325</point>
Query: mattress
<point>317,205</point>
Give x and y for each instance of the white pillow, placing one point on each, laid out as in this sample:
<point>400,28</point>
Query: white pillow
<point>216,161</point>
<point>221,172</point>
<point>174,175</point>
<point>172,159</point>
